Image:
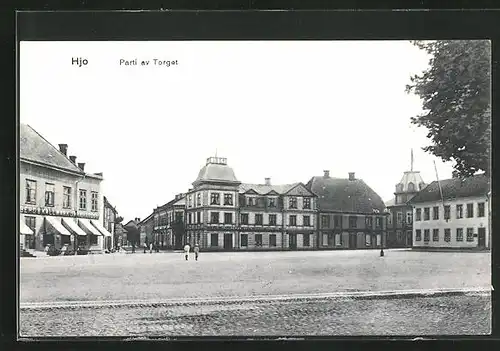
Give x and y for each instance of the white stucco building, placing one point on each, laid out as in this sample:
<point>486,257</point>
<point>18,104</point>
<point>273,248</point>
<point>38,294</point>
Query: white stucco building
<point>459,218</point>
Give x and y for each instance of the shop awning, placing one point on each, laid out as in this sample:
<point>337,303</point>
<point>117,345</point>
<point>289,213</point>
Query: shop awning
<point>85,224</point>
<point>24,229</point>
<point>72,226</point>
<point>100,228</point>
<point>57,225</point>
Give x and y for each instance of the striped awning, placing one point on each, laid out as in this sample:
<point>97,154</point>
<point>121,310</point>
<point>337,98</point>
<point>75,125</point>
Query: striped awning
<point>24,229</point>
<point>100,228</point>
<point>89,228</point>
<point>55,223</point>
<point>71,225</point>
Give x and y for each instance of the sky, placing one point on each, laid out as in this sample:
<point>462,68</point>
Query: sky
<point>287,110</point>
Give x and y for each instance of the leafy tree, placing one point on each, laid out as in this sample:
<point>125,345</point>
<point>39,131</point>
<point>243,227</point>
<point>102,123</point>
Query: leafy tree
<point>456,96</point>
<point>118,219</point>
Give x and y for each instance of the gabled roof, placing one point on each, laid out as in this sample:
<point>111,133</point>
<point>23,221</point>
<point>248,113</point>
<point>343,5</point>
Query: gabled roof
<point>35,148</point>
<point>391,202</point>
<point>263,189</point>
<point>344,195</point>
<point>454,188</point>
<point>108,205</point>
<point>148,218</point>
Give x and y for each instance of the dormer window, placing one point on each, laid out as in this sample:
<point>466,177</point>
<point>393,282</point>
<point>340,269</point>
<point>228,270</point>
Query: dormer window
<point>411,186</point>
<point>399,187</point>
<point>272,202</point>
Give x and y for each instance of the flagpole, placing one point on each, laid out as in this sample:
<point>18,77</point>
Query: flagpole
<point>439,185</point>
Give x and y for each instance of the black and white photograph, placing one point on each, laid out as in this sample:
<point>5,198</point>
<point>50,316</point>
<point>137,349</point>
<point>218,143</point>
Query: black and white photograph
<point>254,188</point>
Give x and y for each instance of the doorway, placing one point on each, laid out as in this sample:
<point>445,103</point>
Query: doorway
<point>228,241</point>
<point>481,238</point>
<point>292,241</point>
<point>352,241</point>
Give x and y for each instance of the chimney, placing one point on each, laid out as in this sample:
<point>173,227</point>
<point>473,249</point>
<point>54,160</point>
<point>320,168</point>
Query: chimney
<point>63,148</point>
<point>137,219</point>
<point>81,165</point>
<point>351,176</point>
<point>267,181</point>
<point>327,174</point>
<point>73,159</point>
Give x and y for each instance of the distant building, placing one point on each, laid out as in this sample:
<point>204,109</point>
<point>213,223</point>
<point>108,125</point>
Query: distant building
<point>109,217</point>
<point>60,203</point>
<point>121,236</point>
<point>168,223</point>
<point>453,213</point>
<point>400,219</point>
<point>146,227</point>
<point>350,214</point>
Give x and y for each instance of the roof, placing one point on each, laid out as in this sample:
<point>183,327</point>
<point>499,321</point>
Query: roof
<point>410,178</point>
<point>264,189</point>
<point>391,202</point>
<point>175,202</point>
<point>108,205</point>
<point>216,170</point>
<point>478,185</point>
<point>146,219</point>
<point>344,195</point>
<point>33,147</point>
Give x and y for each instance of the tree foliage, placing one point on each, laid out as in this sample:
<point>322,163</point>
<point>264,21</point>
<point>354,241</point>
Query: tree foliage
<point>456,96</point>
<point>118,219</point>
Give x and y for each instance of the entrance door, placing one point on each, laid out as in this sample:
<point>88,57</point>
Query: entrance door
<point>481,237</point>
<point>409,236</point>
<point>292,241</point>
<point>228,241</point>
<point>352,241</point>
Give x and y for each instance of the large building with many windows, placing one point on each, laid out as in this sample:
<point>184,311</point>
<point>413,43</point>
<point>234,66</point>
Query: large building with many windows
<point>453,213</point>
<point>60,203</point>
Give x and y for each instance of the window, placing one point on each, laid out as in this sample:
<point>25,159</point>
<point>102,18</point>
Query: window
<point>460,211</point>
<point>66,197</point>
<point>259,218</point>
<point>399,217</point>
<point>214,217</point>
<point>214,199</point>
<point>306,240</point>
<point>214,240</point>
<point>368,240</point>
<point>94,203</point>
<point>418,235</point>
<point>293,220</point>
<point>307,203</point>
<point>228,199</point>
<point>409,217</point>
<point>353,221</point>
<point>399,235</point>
<point>228,218</point>
<point>435,234</point>
<point>189,218</point>
<point>190,201</point>
<point>272,219</point>
<point>378,222</point>
<point>93,239</point>
<point>30,192</point>
<point>198,199</point>
<point>244,240</point>
<point>272,240</point>
<point>30,222</point>
<point>427,234</point>
<point>460,234</point>
<point>470,234</point>
<point>244,218</point>
<point>337,221</point>
<point>198,217</point>
<point>325,221</point>
<point>258,239</point>
<point>83,199</point>
<point>418,214</point>
<point>447,212</point>
<point>411,187</point>
<point>272,202</point>
<point>427,213</point>
<point>470,210</point>
<point>338,240</point>
<point>435,213</point>
<point>368,222</point>
<point>293,202</point>
<point>49,194</point>
<point>480,209</point>
<point>307,221</point>
<point>389,219</point>
<point>325,240</point>
<point>447,235</point>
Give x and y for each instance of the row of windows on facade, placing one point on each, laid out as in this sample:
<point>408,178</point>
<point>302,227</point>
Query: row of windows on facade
<point>166,219</point>
<point>259,219</point>
<point>50,193</point>
<point>214,240</point>
<point>399,218</point>
<point>336,240</point>
<point>353,221</point>
<point>459,210</point>
<point>250,201</point>
<point>31,223</point>
<point>447,234</point>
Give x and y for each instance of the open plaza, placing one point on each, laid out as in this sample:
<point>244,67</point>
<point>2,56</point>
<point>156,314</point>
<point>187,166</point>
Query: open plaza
<point>162,294</point>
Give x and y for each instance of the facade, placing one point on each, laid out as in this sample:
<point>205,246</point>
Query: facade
<point>146,227</point>
<point>168,224</point>
<point>121,236</point>
<point>400,218</point>
<point>459,218</point>
<point>59,202</point>
<point>350,214</point>
<point>108,221</point>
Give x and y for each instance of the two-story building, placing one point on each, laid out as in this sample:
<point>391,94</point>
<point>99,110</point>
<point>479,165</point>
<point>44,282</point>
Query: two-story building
<point>146,228</point>
<point>59,202</point>
<point>276,217</point>
<point>350,215</point>
<point>168,223</point>
<point>453,213</point>
<point>108,221</point>
<point>400,218</point>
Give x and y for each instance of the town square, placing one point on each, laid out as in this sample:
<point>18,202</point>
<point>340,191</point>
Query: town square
<point>304,213</point>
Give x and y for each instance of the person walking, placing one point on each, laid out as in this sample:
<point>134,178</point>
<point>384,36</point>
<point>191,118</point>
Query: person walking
<point>186,251</point>
<point>196,251</point>
<point>145,247</point>
<point>151,247</point>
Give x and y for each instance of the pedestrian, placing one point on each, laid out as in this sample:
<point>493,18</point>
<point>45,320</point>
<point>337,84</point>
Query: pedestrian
<point>151,247</point>
<point>145,247</point>
<point>186,251</point>
<point>196,251</point>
